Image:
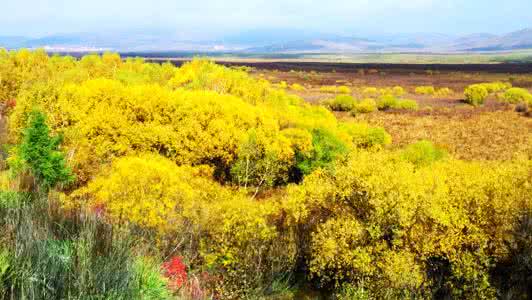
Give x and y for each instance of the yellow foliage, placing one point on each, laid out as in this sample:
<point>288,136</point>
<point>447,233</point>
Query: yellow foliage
<point>149,190</point>
<point>102,119</point>
<point>297,87</point>
<point>425,90</point>
<point>370,92</point>
<point>335,89</point>
<point>378,216</point>
<point>155,146</point>
<point>443,92</point>
<point>365,106</point>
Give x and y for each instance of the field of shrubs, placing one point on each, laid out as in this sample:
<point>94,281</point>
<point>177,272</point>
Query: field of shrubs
<point>123,179</point>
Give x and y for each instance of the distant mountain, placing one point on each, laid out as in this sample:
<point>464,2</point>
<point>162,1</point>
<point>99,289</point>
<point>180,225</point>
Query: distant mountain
<point>422,42</point>
<point>521,39</point>
<point>113,41</point>
<point>271,41</point>
<point>266,37</point>
<point>414,40</point>
<point>321,44</point>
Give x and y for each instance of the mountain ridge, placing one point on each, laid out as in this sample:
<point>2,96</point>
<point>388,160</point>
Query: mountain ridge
<point>276,41</point>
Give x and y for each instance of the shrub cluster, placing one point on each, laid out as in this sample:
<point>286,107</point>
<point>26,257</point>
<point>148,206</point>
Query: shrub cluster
<point>391,102</point>
<point>516,96</point>
<point>374,92</point>
<point>341,103</point>
<point>204,182</point>
<point>443,92</point>
<point>368,105</point>
<point>297,87</point>
<point>476,94</point>
<point>392,226</point>
<point>335,89</point>
<point>364,106</point>
<point>495,87</point>
<point>432,91</point>
<point>425,90</point>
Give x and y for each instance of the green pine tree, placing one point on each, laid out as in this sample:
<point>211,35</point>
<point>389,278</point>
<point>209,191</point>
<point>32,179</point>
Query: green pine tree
<point>40,152</point>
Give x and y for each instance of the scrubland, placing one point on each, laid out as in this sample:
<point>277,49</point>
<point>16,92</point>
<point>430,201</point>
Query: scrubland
<point>123,179</point>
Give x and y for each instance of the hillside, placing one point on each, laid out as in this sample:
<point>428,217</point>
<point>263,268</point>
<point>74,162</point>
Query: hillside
<point>280,41</point>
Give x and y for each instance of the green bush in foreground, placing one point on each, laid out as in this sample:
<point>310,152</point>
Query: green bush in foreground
<point>326,149</point>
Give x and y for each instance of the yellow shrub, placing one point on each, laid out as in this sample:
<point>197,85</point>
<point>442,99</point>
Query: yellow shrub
<point>335,89</point>
<point>365,106</point>
<point>370,92</point>
<point>475,94</point>
<point>344,89</point>
<point>425,90</point>
<point>300,140</point>
<point>297,87</point>
<point>406,104</point>
<point>398,91</point>
<point>206,75</point>
<point>243,247</point>
<point>152,145</point>
<point>149,191</point>
<point>341,103</point>
<point>517,95</point>
<point>362,135</point>
<point>378,216</point>
<point>263,162</point>
<point>495,87</point>
<point>443,92</point>
<point>108,119</point>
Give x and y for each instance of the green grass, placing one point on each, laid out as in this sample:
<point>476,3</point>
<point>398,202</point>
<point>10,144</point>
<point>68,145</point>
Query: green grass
<point>516,56</point>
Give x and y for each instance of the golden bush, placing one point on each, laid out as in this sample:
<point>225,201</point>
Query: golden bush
<point>377,216</point>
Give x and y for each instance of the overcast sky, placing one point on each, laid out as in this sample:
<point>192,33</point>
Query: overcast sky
<point>210,17</point>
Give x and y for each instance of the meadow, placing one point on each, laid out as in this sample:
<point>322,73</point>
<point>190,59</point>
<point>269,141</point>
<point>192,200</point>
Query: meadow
<point>491,57</point>
<point>124,179</point>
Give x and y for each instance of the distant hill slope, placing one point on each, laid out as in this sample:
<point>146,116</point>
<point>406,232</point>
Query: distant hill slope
<point>276,41</point>
<point>423,42</point>
<point>521,39</point>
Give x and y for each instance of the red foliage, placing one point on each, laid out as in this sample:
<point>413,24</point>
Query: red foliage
<point>11,103</point>
<point>99,210</point>
<point>176,271</point>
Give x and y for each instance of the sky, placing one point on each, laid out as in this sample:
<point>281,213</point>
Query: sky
<point>209,18</point>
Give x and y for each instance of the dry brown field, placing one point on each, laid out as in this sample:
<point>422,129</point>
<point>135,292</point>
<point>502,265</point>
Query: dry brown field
<point>492,131</point>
